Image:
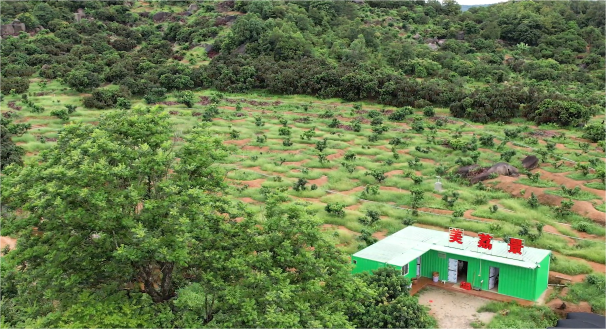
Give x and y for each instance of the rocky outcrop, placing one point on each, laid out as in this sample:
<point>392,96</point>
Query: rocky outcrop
<point>476,173</point>
<point>13,28</point>
<point>161,16</point>
<point>79,15</point>
<point>530,162</point>
<point>500,168</point>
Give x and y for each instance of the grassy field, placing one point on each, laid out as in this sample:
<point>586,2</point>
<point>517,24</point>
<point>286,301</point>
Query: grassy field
<point>262,158</point>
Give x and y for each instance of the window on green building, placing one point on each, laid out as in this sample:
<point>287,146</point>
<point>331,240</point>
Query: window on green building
<point>405,269</point>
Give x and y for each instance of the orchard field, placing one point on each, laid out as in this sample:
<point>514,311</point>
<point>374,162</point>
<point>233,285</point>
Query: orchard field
<point>365,168</point>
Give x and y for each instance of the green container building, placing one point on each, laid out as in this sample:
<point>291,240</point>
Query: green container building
<point>419,252</point>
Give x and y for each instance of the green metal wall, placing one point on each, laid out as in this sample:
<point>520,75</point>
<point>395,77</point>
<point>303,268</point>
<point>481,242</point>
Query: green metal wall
<point>542,278</point>
<point>365,265</point>
<point>514,281</point>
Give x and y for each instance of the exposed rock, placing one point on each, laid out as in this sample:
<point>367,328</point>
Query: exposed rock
<point>433,46</point>
<point>187,13</point>
<point>500,168</point>
<point>441,41</point>
<point>207,47</point>
<point>241,49</point>
<point>192,8</point>
<point>461,36</point>
<point>79,15</point>
<point>144,14</point>
<point>416,36</point>
<point>360,2</point>
<point>530,162</point>
<point>159,17</point>
<point>13,28</point>
<point>465,170</point>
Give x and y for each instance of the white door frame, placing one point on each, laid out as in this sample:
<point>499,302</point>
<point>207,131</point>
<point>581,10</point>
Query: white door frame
<point>418,267</point>
<point>453,268</point>
<point>493,273</point>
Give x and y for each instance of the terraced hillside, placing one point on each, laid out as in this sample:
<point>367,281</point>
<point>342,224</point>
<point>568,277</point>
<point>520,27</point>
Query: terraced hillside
<point>373,156</point>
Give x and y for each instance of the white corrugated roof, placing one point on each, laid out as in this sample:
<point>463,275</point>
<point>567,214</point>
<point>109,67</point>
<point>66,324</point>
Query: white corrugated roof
<point>405,245</point>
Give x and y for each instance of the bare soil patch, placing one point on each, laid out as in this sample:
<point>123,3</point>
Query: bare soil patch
<point>354,190</point>
<point>255,148</point>
<point>354,207</point>
<point>454,309</point>
<point>551,229</point>
<point>248,200</point>
<point>241,142</point>
<point>394,172</point>
<point>380,235</point>
<point>335,156</point>
<point>326,227</point>
<point>319,182</point>
<point>256,183</point>
<point>7,241</point>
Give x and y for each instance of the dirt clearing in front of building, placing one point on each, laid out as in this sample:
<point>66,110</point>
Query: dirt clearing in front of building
<point>454,310</point>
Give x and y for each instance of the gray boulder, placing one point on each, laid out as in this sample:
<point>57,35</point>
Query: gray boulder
<point>159,17</point>
<point>192,8</point>
<point>530,162</point>
<point>500,168</point>
<point>465,170</point>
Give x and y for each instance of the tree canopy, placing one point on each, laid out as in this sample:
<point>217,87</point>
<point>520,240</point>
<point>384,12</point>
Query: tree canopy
<point>118,227</point>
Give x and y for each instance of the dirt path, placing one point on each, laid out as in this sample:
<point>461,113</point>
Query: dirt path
<point>561,179</point>
<point>454,309</point>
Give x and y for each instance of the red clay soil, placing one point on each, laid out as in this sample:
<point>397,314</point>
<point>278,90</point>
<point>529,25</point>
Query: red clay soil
<point>354,190</point>
<point>390,188</point>
<point>256,183</point>
<point>295,163</point>
<point>7,241</point>
<point>597,267</point>
<point>561,179</point>
<point>326,227</point>
<point>335,156</point>
<point>551,229</point>
<point>468,214</point>
<point>583,208</point>
<point>394,172</point>
<point>582,307</point>
<point>380,235</point>
<point>256,169</point>
<point>354,207</point>
<point>437,211</point>
<point>248,200</point>
<point>319,182</point>
<point>255,148</point>
<point>241,142</point>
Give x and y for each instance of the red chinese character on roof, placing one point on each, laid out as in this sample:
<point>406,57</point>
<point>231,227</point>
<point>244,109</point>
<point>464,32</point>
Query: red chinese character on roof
<point>456,235</point>
<point>515,246</point>
<point>484,241</point>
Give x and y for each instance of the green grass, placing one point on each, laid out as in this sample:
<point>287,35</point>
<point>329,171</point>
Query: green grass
<point>601,207</point>
<point>591,290</point>
<point>581,195</point>
<point>569,266</point>
<point>596,185</point>
<point>540,183</point>
<point>517,316</point>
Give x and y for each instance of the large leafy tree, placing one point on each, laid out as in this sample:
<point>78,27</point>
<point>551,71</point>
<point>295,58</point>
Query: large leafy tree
<point>119,227</point>
<point>11,153</point>
<point>116,206</point>
<point>390,306</point>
